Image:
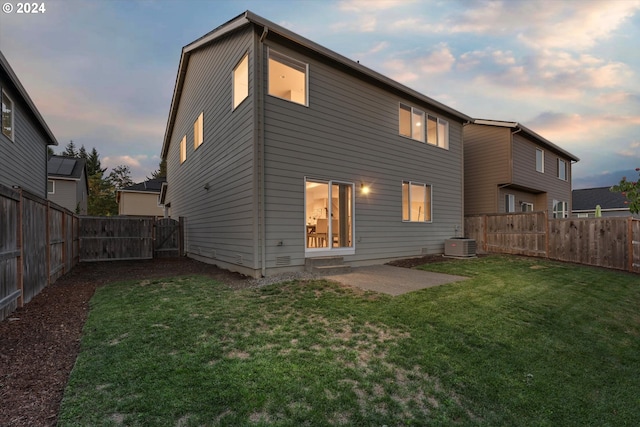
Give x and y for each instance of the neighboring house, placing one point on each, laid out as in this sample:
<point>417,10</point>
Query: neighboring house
<point>141,199</point>
<point>24,136</point>
<point>279,150</point>
<point>510,168</point>
<point>611,203</point>
<point>68,185</point>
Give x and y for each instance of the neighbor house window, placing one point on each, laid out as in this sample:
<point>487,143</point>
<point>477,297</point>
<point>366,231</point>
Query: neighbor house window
<point>241,81</point>
<point>526,207</point>
<point>562,169</point>
<point>560,209</point>
<point>416,124</point>
<point>198,128</point>
<point>288,78</point>
<point>51,187</point>
<point>7,116</point>
<point>539,160</point>
<point>183,149</point>
<point>416,202</point>
<point>509,203</point>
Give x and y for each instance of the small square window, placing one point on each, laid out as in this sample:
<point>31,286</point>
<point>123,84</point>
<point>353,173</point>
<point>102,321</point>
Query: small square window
<point>416,202</point>
<point>287,78</point>
<point>7,116</point>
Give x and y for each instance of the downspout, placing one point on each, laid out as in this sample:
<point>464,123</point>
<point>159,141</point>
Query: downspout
<point>261,174</point>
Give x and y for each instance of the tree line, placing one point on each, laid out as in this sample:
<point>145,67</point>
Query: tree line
<point>103,187</point>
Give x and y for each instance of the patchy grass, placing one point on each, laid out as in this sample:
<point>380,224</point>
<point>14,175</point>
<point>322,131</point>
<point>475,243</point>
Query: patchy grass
<point>522,342</point>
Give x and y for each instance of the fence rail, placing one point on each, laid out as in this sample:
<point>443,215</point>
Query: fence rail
<point>612,242</point>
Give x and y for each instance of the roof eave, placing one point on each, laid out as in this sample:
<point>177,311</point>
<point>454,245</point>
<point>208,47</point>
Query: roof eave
<point>27,99</point>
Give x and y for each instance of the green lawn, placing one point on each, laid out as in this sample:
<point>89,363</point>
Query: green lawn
<point>522,342</point>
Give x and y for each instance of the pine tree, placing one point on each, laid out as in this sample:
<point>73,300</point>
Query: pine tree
<point>70,150</point>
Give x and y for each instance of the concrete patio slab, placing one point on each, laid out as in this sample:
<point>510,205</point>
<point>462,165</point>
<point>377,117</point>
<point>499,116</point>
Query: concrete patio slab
<point>393,280</point>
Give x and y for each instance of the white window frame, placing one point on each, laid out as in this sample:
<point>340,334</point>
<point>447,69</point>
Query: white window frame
<point>198,131</point>
<point>540,165</point>
<point>3,96</point>
<point>563,212</point>
<point>526,207</point>
<point>53,186</point>
<point>240,79</point>
<point>566,174</point>
<point>293,64</point>
<point>509,203</point>
<point>427,202</point>
<point>183,149</point>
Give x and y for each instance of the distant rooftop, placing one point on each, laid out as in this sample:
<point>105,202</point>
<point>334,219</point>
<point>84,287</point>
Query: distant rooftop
<point>149,186</point>
<point>586,199</point>
<point>65,167</point>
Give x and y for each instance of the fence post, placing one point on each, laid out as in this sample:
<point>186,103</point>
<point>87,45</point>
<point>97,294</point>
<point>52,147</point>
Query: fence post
<point>630,244</point>
<point>48,244</point>
<point>546,233</point>
<point>181,237</point>
<point>485,246</point>
<point>20,263</point>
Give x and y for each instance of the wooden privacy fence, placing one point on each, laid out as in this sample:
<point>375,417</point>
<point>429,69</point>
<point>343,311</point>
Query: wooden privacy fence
<point>121,238</point>
<point>612,242</point>
<point>38,244</point>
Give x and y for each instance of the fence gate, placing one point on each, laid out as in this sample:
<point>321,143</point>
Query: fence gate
<point>167,242</point>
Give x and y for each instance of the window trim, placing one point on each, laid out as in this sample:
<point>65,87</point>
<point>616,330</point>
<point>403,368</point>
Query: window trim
<point>198,131</point>
<point>428,202</point>
<point>509,203</point>
<point>441,141</point>
<point>564,211</point>
<point>566,174</point>
<point>236,103</point>
<point>183,149</point>
<point>3,95</point>
<point>53,186</point>
<point>541,151</point>
<point>295,62</point>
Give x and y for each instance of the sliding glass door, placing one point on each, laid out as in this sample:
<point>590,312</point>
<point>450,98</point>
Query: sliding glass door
<point>329,215</point>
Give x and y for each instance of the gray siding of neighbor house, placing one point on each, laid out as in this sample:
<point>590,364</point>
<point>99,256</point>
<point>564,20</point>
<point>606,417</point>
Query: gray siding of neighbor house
<point>66,193</point>
<point>487,164</point>
<point>350,133</point>
<point>23,161</point>
<point>220,222</point>
<point>525,174</point>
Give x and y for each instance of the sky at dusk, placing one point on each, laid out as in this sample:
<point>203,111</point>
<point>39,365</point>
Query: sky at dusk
<point>102,72</point>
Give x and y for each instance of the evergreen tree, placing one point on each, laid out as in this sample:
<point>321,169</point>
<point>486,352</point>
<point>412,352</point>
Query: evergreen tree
<point>70,150</point>
<point>161,172</point>
<point>120,177</point>
<point>93,164</point>
<point>82,153</point>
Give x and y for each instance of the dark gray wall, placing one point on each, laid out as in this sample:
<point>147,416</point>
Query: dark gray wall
<point>23,161</point>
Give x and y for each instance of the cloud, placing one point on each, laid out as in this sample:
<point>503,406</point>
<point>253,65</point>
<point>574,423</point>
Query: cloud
<point>359,6</point>
<point>587,129</point>
<point>632,150</point>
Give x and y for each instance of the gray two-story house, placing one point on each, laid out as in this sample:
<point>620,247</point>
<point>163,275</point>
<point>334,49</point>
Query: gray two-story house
<point>510,168</point>
<point>280,150</point>
<point>24,136</point>
<point>68,185</point>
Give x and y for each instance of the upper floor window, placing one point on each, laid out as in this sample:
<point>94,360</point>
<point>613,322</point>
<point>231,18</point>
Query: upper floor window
<point>183,149</point>
<point>416,202</point>
<point>416,124</point>
<point>7,116</point>
<point>241,81</point>
<point>198,128</point>
<point>539,160</point>
<point>562,169</point>
<point>288,78</point>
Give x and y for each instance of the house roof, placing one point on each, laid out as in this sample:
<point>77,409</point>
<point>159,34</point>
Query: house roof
<point>269,27</point>
<point>6,68</point>
<point>65,167</point>
<point>586,199</point>
<point>149,186</point>
<point>529,132</point>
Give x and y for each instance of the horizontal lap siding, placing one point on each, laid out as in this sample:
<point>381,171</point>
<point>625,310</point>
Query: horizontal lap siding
<point>23,162</point>
<point>220,221</point>
<point>349,133</point>
<point>486,165</point>
<point>524,171</point>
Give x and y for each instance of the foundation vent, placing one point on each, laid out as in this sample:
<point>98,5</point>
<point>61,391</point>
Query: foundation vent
<point>283,261</point>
